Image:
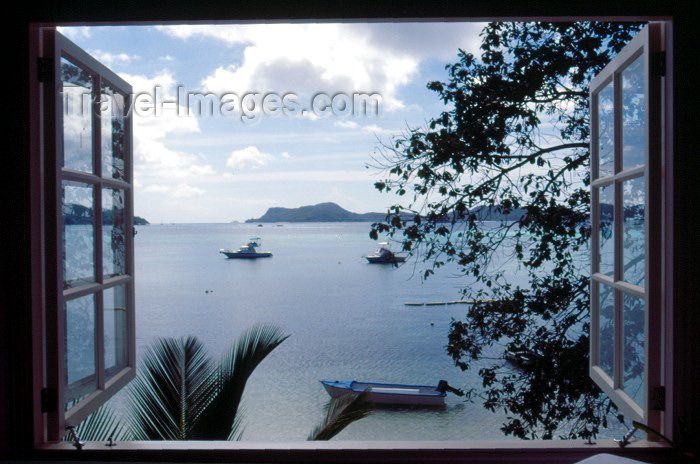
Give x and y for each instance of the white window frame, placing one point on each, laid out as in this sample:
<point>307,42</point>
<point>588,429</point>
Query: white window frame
<point>648,45</point>
<point>498,451</point>
<point>55,48</point>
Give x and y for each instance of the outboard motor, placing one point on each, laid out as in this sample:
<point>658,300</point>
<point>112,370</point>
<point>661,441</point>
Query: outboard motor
<point>443,387</point>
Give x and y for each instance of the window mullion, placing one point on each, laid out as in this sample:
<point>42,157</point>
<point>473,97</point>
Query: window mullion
<point>99,215</point>
<point>618,239</point>
<point>115,184</point>
<point>130,230</point>
<point>627,174</point>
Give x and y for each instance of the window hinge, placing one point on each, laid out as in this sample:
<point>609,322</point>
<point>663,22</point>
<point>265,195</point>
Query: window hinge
<point>49,400</point>
<point>44,69</point>
<point>660,63</point>
<point>658,398</point>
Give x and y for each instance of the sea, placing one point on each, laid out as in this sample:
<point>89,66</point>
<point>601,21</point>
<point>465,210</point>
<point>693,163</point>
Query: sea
<point>346,319</point>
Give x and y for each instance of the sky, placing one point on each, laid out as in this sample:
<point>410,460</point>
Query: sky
<point>267,145</point>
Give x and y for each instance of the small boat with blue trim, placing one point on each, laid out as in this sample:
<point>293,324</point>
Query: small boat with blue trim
<point>390,393</point>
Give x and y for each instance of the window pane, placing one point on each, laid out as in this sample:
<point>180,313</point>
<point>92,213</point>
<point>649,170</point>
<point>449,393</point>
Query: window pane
<point>606,335</point>
<point>78,234</point>
<point>112,121</point>
<point>633,115</point>
<point>634,236</point>
<point>606,230</point>
<point>80,347</point>
<point>113,232</point>
<point>606,135</point>
<point>633,350</point>
<point>115,329</point>
<point>77,117</point>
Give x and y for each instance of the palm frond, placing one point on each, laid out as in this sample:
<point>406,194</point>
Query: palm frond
<point>101,425</point>
<point>172,387</point>
<point>341,412</point>
<point>219,420</point>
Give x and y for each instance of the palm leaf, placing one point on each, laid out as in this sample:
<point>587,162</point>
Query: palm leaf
<point>172,387</point>
<point>219,420</point>
<point>101,425</point>
<point>341,412</point>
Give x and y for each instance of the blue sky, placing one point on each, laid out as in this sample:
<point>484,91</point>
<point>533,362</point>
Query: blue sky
<point>220,169</point>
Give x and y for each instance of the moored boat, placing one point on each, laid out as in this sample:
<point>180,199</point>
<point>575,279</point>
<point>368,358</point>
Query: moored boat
<point>521,357</point>
<point>384,255</point>
<point>389,393</point>
<point>247,251</point>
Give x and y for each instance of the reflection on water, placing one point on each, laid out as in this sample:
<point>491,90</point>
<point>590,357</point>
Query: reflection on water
<point>634,234</point>
<point>633,353</point>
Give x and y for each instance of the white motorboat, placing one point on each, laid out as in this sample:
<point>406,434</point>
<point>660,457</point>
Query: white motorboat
<point>384,255</point>
<point>247,251</point>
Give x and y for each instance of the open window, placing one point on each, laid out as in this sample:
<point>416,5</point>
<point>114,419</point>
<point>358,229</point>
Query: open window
<point>626,274</point>
<point>89,215</point>
<point>89,313</point>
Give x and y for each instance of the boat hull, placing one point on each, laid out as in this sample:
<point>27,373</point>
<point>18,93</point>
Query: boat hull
<point>238,255</point>
<point>387,394</point>
<point>384,260</point>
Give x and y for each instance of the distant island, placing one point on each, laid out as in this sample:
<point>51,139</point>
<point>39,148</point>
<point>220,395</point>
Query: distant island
<point>491,213</point>
<point>322,212</point>
<point>331,212</point>
<point>78,214</point>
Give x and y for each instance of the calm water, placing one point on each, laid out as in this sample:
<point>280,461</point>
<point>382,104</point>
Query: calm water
<point>346,318</point>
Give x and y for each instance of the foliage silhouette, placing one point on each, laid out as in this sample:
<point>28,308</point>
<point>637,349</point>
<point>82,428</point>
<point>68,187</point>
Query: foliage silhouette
<point>514,135</point>
<point>180,394</point>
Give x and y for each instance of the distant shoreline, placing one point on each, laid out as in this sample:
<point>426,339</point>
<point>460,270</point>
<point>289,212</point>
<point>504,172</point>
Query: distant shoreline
<point>331,212</point>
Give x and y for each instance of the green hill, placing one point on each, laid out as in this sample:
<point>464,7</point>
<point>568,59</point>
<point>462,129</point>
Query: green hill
<point>331,212</point>
<point>322,212</point>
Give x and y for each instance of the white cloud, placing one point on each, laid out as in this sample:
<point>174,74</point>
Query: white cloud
<point>158,167</point>
<point>110,59</point>
<point>310,58</point>
<point>177,191</point>
<point>154,188</point>
<point>186,191</point>
<point>285,154</point>
<point>315,176</point>
<point>310,115</point>
<point>346,124</point>
<point>307,59</point>
<point>75,32</point>
<point>248,156</point>
<point>375,129</point>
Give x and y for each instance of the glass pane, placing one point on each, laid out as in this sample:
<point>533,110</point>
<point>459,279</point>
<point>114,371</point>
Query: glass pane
<point>606,324</point>
<point>115,329</point>
<point>634,236</point>
<point>633,115</point>
<point>606,134</point>
<point>633,350</point>
<point>77,117</point>
<point>113,232</point>
<point>78,234</point>
<point>606,230</point>
<point>80,347</point>
<point>112,122</point>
